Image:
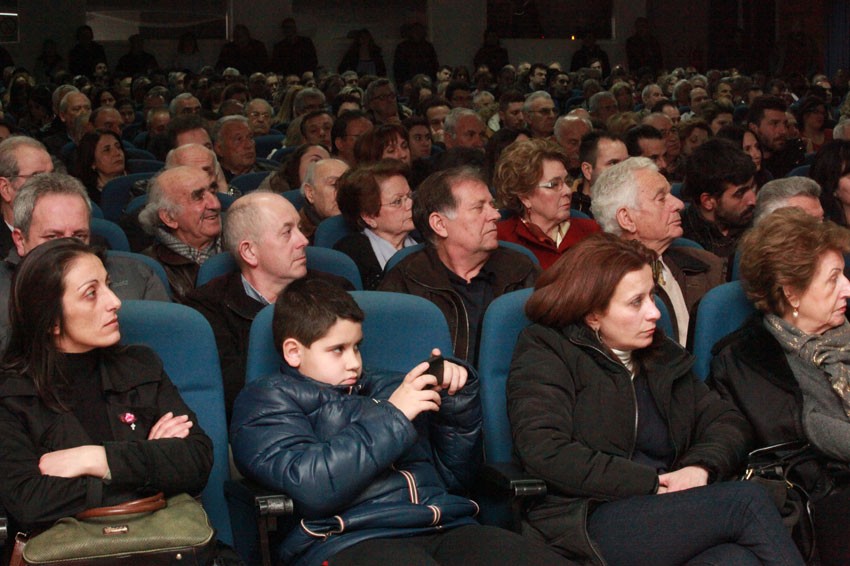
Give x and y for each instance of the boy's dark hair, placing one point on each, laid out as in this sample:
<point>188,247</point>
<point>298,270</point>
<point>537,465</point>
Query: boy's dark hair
<point>308,308</point>
<point>713,165</point>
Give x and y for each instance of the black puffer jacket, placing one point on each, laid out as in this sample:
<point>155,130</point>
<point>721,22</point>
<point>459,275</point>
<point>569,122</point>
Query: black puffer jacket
<point>573,417</point>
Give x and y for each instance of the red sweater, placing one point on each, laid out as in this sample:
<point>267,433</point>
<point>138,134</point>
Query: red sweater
<point>516,231</point>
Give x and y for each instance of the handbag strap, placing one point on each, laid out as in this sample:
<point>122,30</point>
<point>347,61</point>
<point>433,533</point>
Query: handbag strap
<point>144,505</point>
<point>17,557</point>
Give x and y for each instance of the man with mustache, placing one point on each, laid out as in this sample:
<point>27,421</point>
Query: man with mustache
<point>721,187</point>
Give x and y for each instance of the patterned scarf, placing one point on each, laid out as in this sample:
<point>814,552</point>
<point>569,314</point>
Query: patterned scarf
<point>828,352</point>
<point>185,250</point>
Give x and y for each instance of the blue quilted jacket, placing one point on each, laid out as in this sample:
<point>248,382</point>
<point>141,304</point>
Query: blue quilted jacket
<point>355,466</point>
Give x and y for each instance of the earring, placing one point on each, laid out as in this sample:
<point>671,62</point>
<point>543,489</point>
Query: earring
<point>795,313</point>
<point>598,337</point>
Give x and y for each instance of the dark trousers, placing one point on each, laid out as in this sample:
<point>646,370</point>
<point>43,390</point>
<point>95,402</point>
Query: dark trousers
<point>721,524</point>
<point>464,546</point>
<point>832,528</point>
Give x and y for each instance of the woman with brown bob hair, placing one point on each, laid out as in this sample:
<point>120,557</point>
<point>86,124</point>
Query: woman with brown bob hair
<point>788,367</point>
<point>632,445</point>
<point>531,181</point>
<point>387,141</point>
<point>377,203</point>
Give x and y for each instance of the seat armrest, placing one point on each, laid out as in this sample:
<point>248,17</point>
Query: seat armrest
<point>267,507</point>
<point>507,476</point>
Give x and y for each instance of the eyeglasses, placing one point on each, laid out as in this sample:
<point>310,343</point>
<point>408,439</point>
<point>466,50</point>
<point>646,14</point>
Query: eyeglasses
<point>260,115</point>
<point>402,201</point>
<point>556,184</point>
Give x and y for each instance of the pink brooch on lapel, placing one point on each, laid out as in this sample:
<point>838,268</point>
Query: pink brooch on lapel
<point>128,419</point>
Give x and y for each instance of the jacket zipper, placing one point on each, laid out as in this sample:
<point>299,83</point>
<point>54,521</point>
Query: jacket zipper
<point>631,388</point>
<point>455,299</point>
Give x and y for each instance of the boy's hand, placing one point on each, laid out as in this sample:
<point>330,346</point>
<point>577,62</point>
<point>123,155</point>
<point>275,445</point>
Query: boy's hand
<point>454,376</point>
<point>416,393</point>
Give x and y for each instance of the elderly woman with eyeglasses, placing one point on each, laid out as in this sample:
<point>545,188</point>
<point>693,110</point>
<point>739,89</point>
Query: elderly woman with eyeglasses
<point>377,202</point>
<point>531,182</point>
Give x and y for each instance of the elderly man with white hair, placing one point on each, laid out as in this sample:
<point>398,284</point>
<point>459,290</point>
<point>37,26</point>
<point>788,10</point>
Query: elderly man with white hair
<point>799,192</point>
<point>633,200</point>
<point>183,214</point>
<point>539,113</point>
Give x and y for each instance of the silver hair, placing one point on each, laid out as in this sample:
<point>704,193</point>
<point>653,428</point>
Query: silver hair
<point>310,175</point>
<point>219,125</point>
<point>244,221</point>
<point>172,108</point>
<point>564,121</point>
<point>42,185</point>
<point>262,101</point>
<point>617,188</point>
<point>373,86</point>
<point>8,154</point>
<point>536,95</point>
<point>644,94</point>
<point>679,86</point>
<point>454,116</point>
<point>775,194</point>
<point>593,103</point>
<point>301,99</point>
<point>63,104</point>
<point>157,200</point>
<point>172,159</point>
<point>59,93</point>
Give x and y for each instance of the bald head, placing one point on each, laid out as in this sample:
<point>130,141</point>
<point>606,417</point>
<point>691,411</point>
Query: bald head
<point>262,235</point>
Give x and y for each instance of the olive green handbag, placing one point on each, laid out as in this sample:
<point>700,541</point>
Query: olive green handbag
<point>147,531</point>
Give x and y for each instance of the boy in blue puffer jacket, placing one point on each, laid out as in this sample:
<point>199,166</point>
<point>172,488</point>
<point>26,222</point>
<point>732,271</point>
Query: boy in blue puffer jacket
<point>374,462</point>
